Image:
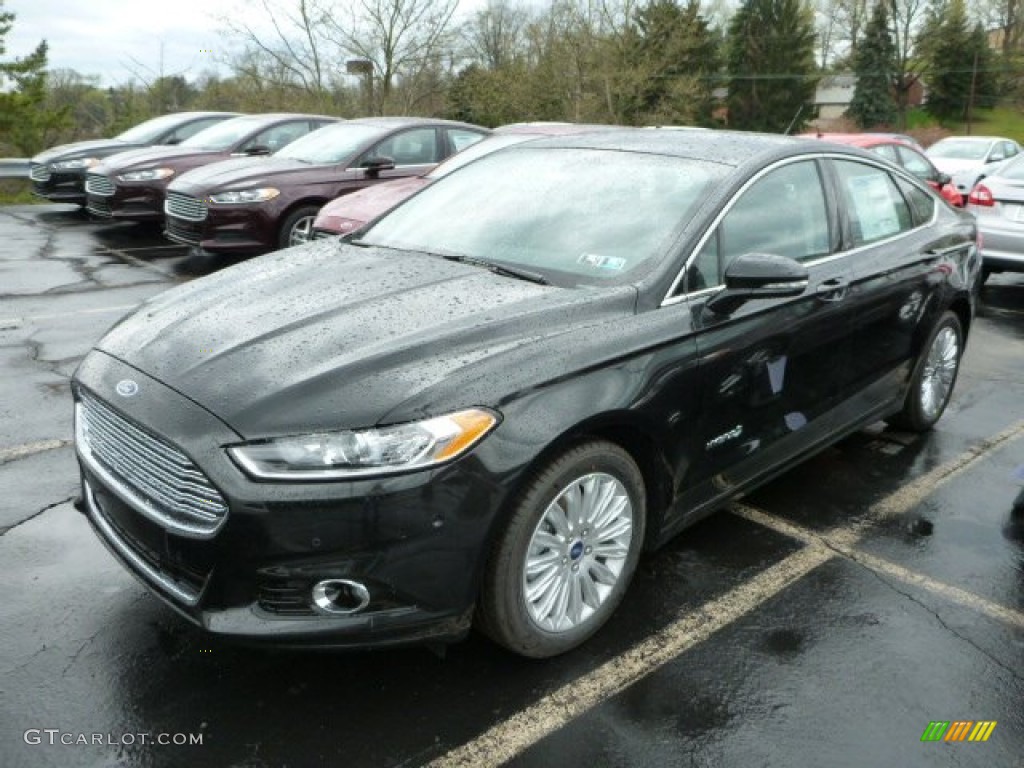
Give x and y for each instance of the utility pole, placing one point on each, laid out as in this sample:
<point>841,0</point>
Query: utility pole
<point>970,98</point>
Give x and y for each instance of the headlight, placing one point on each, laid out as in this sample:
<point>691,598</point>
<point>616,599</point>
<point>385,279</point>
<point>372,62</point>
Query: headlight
<point>150,175</point>
<point>71,165</point>
<point>245,196</point>
<point>349,454</point>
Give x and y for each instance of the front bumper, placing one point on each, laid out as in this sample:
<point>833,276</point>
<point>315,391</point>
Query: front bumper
<point>61,187</point>
<point>417,541</point>
<point>241,229</point>
<point>128,203</point>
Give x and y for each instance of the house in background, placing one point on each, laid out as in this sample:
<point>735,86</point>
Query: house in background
<point>835,92</point>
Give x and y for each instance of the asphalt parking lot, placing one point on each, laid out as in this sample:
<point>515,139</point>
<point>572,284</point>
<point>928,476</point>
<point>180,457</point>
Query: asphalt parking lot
<point>826,619</point>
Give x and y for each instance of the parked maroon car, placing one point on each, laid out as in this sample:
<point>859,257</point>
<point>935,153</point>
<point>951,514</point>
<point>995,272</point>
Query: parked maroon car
<point>350,212</point>
<point>254,205</point>
<point>898,151</point>
<point>131,185</point>
<point>58,173</point>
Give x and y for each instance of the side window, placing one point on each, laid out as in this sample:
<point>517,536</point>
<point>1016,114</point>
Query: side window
<point>885,150</point>
<point>415,147</point>
<point>460,139</point>
<point>876,208</point>
<point>916,164</point>
<point>279,136</point>
<point>1009,149</point>
<point>922,205</point>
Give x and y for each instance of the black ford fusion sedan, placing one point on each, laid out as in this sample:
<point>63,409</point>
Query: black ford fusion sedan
<point>484,408</point>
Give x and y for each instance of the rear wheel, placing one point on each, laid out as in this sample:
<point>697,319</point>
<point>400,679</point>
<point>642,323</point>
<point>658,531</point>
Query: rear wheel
<point>298,227</point>
<point>570,549</point>
<point>934,376</point>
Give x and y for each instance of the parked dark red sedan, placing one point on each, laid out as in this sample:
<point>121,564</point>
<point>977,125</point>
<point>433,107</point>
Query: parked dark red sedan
<point>254,205</point>
<point>903,154</point>
<point>131,185</point>
<point>58,173</point>
<point>348,213</point>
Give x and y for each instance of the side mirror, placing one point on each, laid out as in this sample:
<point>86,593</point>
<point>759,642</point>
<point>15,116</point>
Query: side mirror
<point>374,165</point>
<point>942,179</point>
<point>758,276</point>
<point>257,149</point>
<point>995,157</point>
<point>173,140</point>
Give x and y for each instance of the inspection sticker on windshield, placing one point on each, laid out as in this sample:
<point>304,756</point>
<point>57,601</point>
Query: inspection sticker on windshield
<point>613,263</point>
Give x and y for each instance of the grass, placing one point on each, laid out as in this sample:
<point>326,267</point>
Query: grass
<point>1001,121</point>
<point>17,192</point>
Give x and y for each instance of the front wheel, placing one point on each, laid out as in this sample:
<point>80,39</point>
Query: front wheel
<point>934,375</point>
<point>563,563</point>
<point>298,227</point>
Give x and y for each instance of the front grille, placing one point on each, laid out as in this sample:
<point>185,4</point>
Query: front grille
<point>97,206</point>
<point>39,172</point>
<point>97,184</point>
<point>185,207</point>
<point>175,492</point>
<point>182,231</point>
<point>288,597</point>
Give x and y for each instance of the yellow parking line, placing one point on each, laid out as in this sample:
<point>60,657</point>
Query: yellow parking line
<point>528,726</point>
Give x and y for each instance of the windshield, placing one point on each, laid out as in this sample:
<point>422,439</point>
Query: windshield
<point>224,135</point>
<point>333,144</point>
<point>481,148</point>
<point>591,215</point>
<point>151,130</point>
<point>958,149</point>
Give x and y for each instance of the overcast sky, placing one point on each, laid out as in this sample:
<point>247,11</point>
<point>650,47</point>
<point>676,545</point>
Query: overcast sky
<point>101,37</point>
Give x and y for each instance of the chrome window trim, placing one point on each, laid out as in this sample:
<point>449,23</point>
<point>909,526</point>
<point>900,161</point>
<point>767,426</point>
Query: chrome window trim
<point>882,165</point>
<point>110,535</point>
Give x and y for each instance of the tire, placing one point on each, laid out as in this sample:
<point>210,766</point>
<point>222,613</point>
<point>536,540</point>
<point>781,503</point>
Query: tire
<point>586,569</point>
<point>934,376</point>
<point>297,227</point>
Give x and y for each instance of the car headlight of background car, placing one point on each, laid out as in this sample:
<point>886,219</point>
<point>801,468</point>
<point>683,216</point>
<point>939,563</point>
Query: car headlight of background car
<point>245,196</point>
<point>72,165</point>
<point>150,175</point>
<point>347,454</point>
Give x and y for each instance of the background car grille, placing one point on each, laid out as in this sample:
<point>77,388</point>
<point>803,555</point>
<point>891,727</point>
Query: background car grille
<point>39,172</point>
<point>182,231</point>
<point>97,206</point>
<point>96,184</point>
<point>185,207</point>
<point>182,498</point>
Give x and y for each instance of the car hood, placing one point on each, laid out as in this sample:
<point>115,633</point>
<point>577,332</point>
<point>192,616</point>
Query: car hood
<point>334,336</point>
<point>953,165</point>
<point>350,211</point>
<point>246,171</point>
<point>94,148</point>
<point>148,157</point>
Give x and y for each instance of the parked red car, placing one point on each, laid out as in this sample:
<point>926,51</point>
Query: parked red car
<point>350,212</point>
<point>902,154</point>
<point>255,205</point>
<point>130,185</point>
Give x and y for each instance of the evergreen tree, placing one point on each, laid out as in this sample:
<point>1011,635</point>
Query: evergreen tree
<point>943,43</point>
<point>983,63</point>
<point>25,121</point>
<point>771,65</point>
<point>873,104</point>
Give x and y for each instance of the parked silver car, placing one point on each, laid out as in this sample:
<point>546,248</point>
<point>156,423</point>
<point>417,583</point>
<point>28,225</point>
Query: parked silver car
<point>998,203</point>
<point>969,158</point>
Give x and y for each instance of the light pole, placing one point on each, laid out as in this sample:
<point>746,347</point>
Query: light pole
<point>363,67</point>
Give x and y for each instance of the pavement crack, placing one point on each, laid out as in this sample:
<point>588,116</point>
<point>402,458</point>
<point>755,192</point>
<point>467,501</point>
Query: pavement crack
<point>81,648</point>
<point>34,515</point>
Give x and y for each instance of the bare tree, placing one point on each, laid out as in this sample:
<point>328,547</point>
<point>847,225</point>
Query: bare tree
<point>905,16</point>
<point>494,36</point>
<point>402,39</point>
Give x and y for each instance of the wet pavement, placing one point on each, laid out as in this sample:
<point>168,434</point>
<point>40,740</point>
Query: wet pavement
<point>824,620</point>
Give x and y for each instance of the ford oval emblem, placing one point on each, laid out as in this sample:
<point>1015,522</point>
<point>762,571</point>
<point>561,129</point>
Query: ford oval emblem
<point>126,388</point>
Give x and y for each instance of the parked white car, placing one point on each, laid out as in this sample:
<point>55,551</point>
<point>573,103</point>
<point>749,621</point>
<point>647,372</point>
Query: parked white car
<point>967,158</point>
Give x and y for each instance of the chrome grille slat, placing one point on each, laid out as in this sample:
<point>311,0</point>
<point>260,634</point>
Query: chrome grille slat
<point>39,172</point>
<point>185,207</point>
<point>182,497</point>
<point>98,184</point>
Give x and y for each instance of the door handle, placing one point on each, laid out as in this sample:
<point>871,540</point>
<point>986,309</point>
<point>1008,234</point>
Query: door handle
<point>832,290</point>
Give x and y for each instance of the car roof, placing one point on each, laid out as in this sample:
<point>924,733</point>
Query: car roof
<point>859,139</point>
<point>724,147</point>
<point>398,122</point>
<point>269,116</point>
<point>977,139</point>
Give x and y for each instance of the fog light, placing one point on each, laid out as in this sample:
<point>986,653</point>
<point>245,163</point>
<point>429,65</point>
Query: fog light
<point>340,596</point>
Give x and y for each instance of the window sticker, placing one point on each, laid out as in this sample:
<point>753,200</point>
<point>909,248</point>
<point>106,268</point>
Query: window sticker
<point>596,261</point>
<point>874,206</point>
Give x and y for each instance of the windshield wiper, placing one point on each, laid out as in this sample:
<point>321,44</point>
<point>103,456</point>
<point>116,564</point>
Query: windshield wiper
<point>498,269</point>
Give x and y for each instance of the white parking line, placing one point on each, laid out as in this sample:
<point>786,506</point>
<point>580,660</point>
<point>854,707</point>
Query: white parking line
<point>29,449</point>
<point>528,726</point>
<point>843,541</point>
<point>13,322</point>
<point>519,732</point>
